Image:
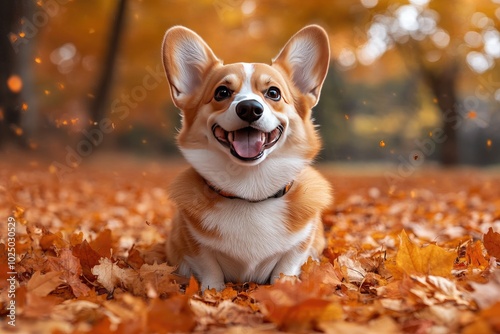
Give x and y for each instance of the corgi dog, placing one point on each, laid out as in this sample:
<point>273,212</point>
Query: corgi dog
<point>249,207</point>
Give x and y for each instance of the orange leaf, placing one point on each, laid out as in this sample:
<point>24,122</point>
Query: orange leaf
<point>193,287</point>
<point>71,270</point>
<point>296,306</point>
<point>492,243</point>
<point>320,276</point>
<point>41,285</point>
<point>76,238</point>
<point>88,258</point>
<point>475,257</point>
<point>50,240</point>
<point>173,315</point>
<point>102,243</point>
<point>134,258</point>
<point>430,260</point>
<point>39,306</point>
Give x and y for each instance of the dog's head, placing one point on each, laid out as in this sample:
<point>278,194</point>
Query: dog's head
<point>246,116</point>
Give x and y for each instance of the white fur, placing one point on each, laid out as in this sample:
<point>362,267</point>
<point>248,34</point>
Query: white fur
<point>252,182</point>
<point>255,243</point>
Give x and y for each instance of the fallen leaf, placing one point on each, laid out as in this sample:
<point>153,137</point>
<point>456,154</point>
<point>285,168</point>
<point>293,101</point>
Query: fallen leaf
<point>294,306</point>
<point>102,243</point>
<point>384,325</point>
<point>351,267</point>
<point>53,240</point>
<point>88,258</point>
<point>322,274</point>
<point>193,287</point>
<point>41,285</point>
<point>492,243</point>
<point>172,315</point>
<point>110,275</point>
<point>475,256</point>
<point>40,306</point>
<point>223,314</point>
<point>487,294</point>
<point>153,280</point>
<point>71,270</point>
<point>434,290</point>
<point>134,258</point>
<point>429,260</point>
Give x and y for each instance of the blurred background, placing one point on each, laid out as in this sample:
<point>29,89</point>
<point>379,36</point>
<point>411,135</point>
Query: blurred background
<point>410,81</point>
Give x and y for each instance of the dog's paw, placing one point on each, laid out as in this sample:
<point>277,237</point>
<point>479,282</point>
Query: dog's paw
<point>284,278</point>
<point>219,286</point>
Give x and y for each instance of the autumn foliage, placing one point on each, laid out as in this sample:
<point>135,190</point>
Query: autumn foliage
<point>418,256</point>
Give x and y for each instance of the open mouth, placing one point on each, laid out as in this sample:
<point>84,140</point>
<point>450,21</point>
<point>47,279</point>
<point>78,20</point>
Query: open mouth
<point>247,143</point>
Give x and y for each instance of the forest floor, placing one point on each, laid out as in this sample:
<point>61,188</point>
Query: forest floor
<point>416,253</point>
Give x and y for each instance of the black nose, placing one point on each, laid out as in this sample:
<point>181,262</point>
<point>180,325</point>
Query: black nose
<point>249,110</point>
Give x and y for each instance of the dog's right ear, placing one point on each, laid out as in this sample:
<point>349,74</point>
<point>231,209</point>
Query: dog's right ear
<point>187,59</point>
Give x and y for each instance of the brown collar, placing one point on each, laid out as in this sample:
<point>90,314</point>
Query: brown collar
<point>282,192</point>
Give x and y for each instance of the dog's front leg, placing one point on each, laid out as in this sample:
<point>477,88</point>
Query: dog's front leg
<point>289,264</point>
<point>208,271</point>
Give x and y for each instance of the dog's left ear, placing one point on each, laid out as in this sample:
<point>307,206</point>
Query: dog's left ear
<point>305,59</point>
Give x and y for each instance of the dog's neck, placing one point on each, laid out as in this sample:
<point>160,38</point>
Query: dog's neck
<point>253,183</point>
<point>280,193</point>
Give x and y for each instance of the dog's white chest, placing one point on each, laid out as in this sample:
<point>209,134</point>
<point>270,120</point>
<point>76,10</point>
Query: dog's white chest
<point>253,236</point>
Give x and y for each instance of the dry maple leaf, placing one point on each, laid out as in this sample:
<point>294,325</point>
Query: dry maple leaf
<point>53,240</point>
<point>172,315</point>
<point>102,243</point>
<point>71,270</point>
<point>487,294</point>
<point>434,290</point>
<point>224,313</point>
<point>292,306</point>
<point>110,275</point>
<point>492,243</point>
<point>351,267</point>
<point>430,260</point>
<point>153,280</point>
<point>88,258</point>
<point>41,285</point>
<point>134,258</point>
<point>475,256</point>
<point>40,306</point>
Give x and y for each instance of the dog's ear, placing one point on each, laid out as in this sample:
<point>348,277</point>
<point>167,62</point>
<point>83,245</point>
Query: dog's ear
<point>305,59</point>
<point>187,59</point>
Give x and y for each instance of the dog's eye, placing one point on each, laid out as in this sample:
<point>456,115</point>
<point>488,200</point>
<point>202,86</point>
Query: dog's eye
<point>222,93</point>
<point>273,93</point>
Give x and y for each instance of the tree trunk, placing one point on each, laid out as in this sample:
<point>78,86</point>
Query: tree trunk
<point>443,87</point>
<point>10,107</point>
<point>103,87</point>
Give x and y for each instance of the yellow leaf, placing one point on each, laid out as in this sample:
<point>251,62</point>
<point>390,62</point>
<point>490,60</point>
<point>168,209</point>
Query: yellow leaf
<point>430,260</point>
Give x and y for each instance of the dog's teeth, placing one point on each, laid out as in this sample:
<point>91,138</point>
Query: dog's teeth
<point>263,137</point>
<point>230,136</point>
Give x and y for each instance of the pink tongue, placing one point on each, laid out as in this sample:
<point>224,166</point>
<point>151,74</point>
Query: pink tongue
<point>247,142</point>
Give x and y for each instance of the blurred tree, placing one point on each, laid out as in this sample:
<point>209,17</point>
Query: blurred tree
<point>100,99</point>
<point>10,81</point>
<point>430,36</point>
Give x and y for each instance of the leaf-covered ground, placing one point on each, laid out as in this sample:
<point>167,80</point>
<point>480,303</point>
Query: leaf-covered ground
<point>415,256</point>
